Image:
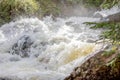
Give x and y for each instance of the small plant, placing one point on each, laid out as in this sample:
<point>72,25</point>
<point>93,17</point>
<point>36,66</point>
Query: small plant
<point>115,62</point>
<point>110,52</point>
<point>109,3</point>
<point>104,4</point>
<point>112,30</point>
<point>94,3</point>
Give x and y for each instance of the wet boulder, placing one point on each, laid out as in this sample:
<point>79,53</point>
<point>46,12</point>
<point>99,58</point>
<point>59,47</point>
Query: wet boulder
<point>22,46</point>
<point>112,18</point>
<point>9,78</point>
<point>109,18</point>
<point>5,79</point>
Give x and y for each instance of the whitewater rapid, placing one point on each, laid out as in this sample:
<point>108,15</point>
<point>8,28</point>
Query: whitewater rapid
<point>33,49</point>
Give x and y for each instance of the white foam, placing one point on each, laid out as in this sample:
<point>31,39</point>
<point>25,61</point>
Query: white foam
<point>55,42</point>
<point>107,12</point>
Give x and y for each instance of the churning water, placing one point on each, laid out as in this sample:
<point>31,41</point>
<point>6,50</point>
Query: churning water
<point>33,49</point>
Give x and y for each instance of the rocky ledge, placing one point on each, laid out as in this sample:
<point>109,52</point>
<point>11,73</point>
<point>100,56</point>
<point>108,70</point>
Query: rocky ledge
<point>105,65</point>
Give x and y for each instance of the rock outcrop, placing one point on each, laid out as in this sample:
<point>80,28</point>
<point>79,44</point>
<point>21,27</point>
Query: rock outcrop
<point>98,67</point>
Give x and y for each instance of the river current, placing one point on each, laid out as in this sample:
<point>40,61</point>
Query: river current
<point>47,49</point>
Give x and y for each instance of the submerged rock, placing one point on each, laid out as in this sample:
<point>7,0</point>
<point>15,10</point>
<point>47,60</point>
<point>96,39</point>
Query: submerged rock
<point>114,17</point>
<point>9,78</point>
<point>22,46</point>
<point>5,79</point>
<point>109,18</point>
<point>97,68</point>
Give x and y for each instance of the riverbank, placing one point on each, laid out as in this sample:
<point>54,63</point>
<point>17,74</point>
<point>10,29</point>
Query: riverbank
<point>98,67</point>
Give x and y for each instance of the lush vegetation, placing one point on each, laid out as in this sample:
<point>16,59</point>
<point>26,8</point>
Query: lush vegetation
<point>101,3</point>
<point>48,7</point>
<point>109,3</point>
<point>112,30</point>
<point>11,8</point>
<point>96,3</point>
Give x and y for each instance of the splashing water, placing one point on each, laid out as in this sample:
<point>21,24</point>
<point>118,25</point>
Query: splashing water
<point>33,49</point>
<point>107,12</point>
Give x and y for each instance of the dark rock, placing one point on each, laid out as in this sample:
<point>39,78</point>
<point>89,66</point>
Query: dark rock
<point>9,78</point>
<point>95,68</point>
<point>5,79</point>
<point>114,17</point>
<point>22,46</point>
<point>111,18</point>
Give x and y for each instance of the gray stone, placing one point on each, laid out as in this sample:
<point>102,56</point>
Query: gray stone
<point>22,47</point>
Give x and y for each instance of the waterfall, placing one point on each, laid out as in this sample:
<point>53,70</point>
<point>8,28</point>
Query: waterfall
<point>33,49</point>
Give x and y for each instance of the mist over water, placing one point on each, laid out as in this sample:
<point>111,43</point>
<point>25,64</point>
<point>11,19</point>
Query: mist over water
<point>47,49</point>
<point>76,10</point>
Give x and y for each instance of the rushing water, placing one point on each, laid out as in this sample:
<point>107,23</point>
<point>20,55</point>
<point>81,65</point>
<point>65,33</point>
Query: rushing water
<point>107,12</point>
<point>33,49</point>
